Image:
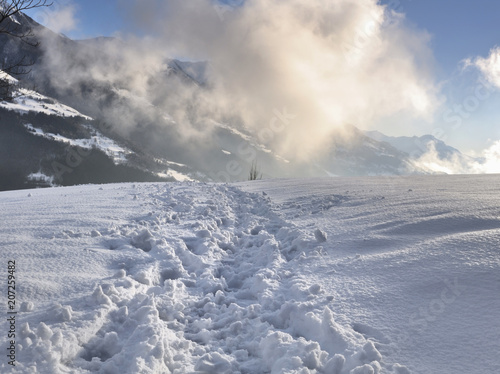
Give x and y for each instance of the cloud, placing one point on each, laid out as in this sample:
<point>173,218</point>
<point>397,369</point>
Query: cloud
<point>457,163</point>
<point>61,18</point>
<point>488,160</point>
<point>328,62</point>
<point>489,66</point>
<point>491,157</point>
<point>485,162</point>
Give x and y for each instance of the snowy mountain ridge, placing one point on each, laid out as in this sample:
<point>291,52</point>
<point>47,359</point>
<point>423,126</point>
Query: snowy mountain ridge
<point>352,152</point>
<point>416,146</point>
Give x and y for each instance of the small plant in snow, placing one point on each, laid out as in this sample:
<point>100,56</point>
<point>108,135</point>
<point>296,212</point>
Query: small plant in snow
<point>254,172</point>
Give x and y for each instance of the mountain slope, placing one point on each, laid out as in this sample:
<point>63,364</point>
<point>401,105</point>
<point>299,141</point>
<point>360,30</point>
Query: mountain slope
<point>44,142</point>
<point>353,153</point>
<point>416,146</point>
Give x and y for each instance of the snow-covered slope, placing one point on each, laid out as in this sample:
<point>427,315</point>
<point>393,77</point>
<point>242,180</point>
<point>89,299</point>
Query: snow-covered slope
<point>74,149</point>
<point>26,101</point>
<point>98,141</point>
<point>352,153</point>
<point>347,276</point>
<point>430,154</point>
<point>416,146</point>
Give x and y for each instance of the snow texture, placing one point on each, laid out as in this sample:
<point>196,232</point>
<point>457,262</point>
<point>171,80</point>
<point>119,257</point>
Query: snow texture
<point>31,101</point>
<point>337,275</point>
<point>98,140</point>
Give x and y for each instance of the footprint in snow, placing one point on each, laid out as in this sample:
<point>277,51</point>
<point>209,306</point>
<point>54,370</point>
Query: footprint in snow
<point>320,235</point>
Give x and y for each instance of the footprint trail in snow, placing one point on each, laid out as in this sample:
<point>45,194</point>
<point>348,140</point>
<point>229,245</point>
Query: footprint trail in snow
<point>202,280</point>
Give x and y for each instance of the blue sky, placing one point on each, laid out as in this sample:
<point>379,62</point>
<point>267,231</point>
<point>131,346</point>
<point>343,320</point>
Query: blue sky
<point>93,17</point>
<point>459,29</point>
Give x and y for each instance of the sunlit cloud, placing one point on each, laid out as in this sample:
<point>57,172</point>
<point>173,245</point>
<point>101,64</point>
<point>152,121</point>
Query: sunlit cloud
<point>490,160</point>
<point>485,162</point>
<point>329,62</point>
<point>489,66</point>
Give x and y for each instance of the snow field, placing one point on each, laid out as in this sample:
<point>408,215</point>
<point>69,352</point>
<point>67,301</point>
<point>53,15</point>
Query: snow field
<point>411,263</point>
<point>343,275</point>
<point>159,278</point>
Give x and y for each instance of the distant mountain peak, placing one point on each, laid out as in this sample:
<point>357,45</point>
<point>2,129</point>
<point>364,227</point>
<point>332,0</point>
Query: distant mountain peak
<point>416,146</point>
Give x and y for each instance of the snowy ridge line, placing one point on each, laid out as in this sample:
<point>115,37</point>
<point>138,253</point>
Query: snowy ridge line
<point>204,282</point>
<point>8,78</point>
<point>253,142</point>
<point>116,152</point>
<point>31,101</point>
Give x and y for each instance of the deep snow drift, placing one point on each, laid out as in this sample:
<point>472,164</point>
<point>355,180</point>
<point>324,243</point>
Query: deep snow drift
<point>341,275</point>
